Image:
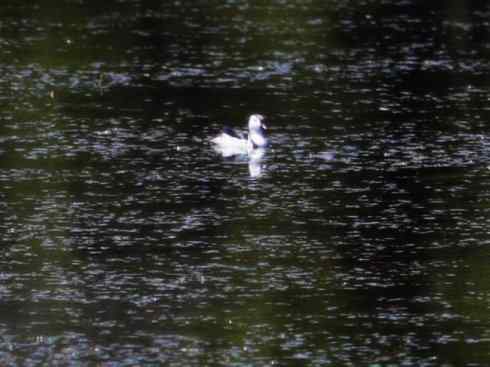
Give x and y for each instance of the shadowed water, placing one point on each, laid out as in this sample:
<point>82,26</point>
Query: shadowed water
<point>361,238</point>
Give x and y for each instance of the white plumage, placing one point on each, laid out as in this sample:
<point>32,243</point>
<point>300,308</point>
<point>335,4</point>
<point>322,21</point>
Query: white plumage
<point>229,143</point>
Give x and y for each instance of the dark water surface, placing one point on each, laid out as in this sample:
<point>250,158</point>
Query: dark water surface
<point>362,238</point>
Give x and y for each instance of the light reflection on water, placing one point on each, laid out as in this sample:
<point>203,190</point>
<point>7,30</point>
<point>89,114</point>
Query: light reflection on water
<point>362,240</point>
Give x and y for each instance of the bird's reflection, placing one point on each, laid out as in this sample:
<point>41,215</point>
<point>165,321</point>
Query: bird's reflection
<point>255,162</point>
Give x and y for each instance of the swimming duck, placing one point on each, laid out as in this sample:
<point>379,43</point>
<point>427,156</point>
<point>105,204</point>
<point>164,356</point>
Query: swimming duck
<point>230,143</point>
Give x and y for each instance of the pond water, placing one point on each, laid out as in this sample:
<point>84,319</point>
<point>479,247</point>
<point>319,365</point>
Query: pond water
<point>361,238</point>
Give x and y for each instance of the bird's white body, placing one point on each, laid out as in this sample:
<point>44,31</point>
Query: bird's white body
<point>229,145</point>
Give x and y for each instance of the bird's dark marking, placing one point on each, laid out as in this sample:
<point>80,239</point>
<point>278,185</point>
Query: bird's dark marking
<point>232,132</point>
